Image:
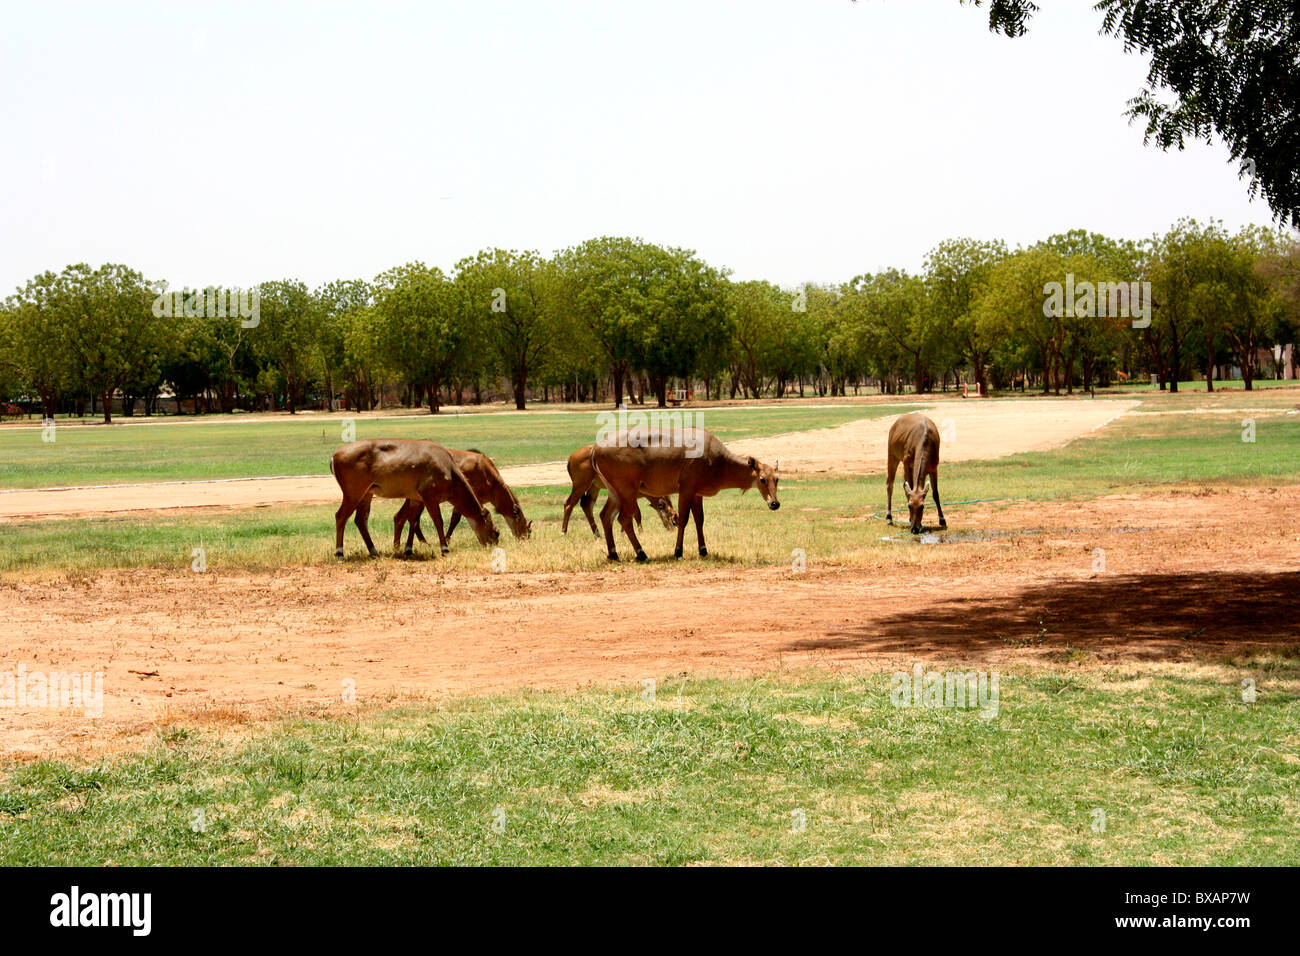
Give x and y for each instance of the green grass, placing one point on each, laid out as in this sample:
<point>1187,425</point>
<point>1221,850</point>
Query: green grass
<point>1231,385</point>
<point>229,448</point>
<point>827,518</point>
<point>712,771</point>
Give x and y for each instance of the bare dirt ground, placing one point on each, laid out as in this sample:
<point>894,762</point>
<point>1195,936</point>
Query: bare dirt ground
<point>971,429</point>
<point>1189,573</point>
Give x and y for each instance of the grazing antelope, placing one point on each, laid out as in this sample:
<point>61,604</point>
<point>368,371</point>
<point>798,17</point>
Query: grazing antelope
<point>586,489</point>
<point>403,468</point>
<point>490,488</point>
<point>914,441</point>
<point>658,470</point>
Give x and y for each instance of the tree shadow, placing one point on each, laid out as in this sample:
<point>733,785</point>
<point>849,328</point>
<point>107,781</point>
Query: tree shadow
<point>1138,616</point>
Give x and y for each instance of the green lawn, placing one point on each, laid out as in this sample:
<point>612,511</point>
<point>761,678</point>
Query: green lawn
<point>1230,385</point>
<point>806,769</point>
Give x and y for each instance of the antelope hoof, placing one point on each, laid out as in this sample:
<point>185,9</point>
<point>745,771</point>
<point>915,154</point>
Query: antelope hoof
<point>374,553</point>
<point>409,552</point>
<point>338,553</point>
<point>641,557</point>
<point>613,556</point>
<point>446,551</point>
<point>916,531</point>
<point>704,552</point>
<point>889,519</point>
<point>942,523</point>
<point>677,553</point>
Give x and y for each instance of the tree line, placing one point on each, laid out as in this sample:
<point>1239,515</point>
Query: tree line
<point>625,320</point>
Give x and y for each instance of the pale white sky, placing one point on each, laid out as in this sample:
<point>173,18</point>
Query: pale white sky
<point>790,140</point>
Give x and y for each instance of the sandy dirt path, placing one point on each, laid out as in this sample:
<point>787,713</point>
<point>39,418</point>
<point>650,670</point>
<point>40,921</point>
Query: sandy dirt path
<point>971,430</point>
<point>1188,572</point>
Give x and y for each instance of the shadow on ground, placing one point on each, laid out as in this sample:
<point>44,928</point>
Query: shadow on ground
<point>1150,616</point>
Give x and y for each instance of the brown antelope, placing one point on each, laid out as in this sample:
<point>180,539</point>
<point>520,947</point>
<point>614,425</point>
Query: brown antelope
<point>660,469</point>
<point>490,488</point>
<point>403,468</point>
<point>586,489</point>
<point>914,441</point>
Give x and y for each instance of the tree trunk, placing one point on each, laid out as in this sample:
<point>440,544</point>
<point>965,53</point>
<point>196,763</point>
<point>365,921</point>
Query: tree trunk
<point>519,384</point>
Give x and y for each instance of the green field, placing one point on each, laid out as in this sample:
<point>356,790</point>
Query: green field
<point>1230,385</point>
<point>801,769</point>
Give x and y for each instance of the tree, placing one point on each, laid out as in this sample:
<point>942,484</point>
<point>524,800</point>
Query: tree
<point>106,317</point>
<point>1233,69</point>
<point>1252,318</point>
<point>625,291</point>
<point>1015,294</point>
<point>419,335</point>
<point>754,308</point>
<point>337,299</point>
<point>509,297</point>
<point>685,316</point>
<point>956,272</point>
<point>892,311</point>
<point>10,371</point>
<point>1281,270</point>
<point>41,353</point>
<point>285,338</point>
<point>1177,268</point>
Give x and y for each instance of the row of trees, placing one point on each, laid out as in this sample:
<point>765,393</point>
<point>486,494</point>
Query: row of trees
<point>627,319</point>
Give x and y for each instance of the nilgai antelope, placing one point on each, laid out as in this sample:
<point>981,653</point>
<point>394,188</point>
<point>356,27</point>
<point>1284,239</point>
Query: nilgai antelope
<point>914,441</point>
<point>660,469</point>
<point>403,468</point>
<point>586,489</point>
<point>490,488</point>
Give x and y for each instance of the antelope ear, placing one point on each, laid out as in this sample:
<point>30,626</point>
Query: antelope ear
<point>926,489</point>
<point>778,465</point>
<point>753,462</point>
<point>907,489</point>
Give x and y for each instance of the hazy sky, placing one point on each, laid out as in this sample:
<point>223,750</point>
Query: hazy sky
<point>797,140</point>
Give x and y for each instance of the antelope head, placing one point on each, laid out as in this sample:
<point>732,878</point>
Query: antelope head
<point>916,502</point>
<point>765,479</point>
<point>667,513</point>
<point>486,530</point>
<point>520,525</point>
